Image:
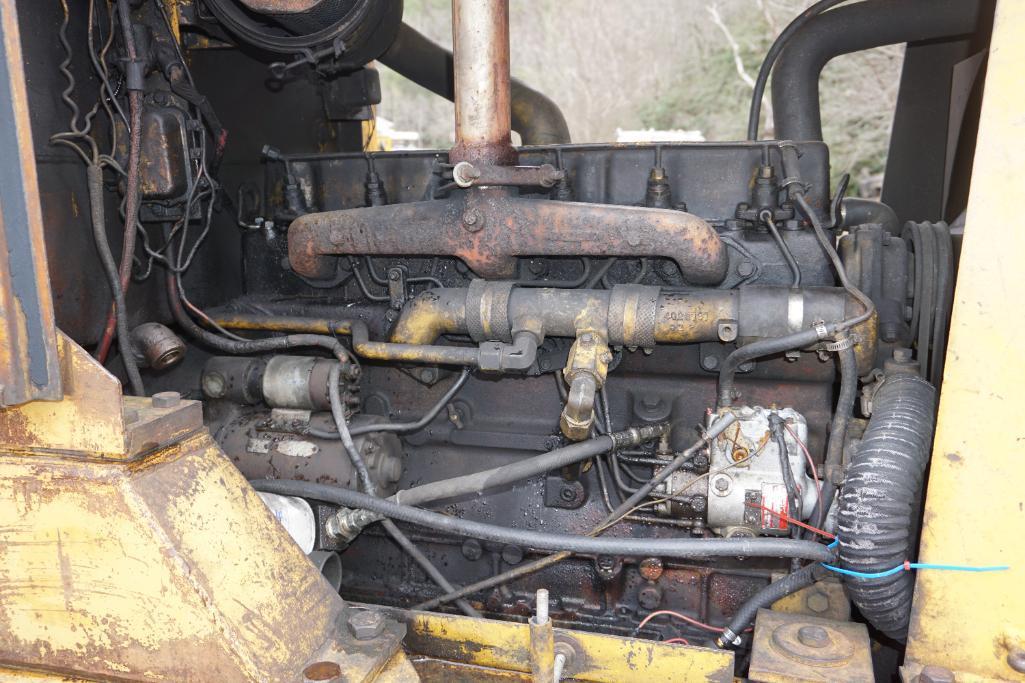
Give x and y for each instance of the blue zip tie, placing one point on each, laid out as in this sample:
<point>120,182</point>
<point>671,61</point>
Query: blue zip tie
<point>907,566</point>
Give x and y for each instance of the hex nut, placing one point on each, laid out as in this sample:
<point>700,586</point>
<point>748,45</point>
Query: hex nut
<point>366,624</point>
<point>166,399</point>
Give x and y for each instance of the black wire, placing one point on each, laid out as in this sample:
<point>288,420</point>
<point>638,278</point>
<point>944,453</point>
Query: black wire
<point>770,58</point>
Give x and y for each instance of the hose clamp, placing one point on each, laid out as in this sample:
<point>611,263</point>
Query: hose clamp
<point>846,342</point>
<point>820,329</point>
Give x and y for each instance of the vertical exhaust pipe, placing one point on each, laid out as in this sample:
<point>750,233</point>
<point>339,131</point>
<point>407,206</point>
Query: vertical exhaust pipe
<point>480,47</point>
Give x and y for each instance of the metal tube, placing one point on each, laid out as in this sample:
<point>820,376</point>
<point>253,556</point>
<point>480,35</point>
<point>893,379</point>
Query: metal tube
<point>480,41</point>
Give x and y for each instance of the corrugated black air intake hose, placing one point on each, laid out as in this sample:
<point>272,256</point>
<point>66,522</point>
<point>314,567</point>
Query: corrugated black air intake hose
<point>880,499</point>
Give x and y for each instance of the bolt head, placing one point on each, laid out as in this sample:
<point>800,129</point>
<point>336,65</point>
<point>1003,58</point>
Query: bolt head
<point>813,636</point>
<point>709,362</point>
<point>935,674</point>
<point>166,399</point>
<point>721,484</point>
<point>817,602</point>
<point>1016,660</point>
<point>322,671</point>
<point>651,568</point>
<point>745,269</point>
<point>366,624</point>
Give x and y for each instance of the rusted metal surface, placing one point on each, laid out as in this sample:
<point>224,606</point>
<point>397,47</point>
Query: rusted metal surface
<point>29,366</point>
<point>480,46</point>
<point>488,229</point>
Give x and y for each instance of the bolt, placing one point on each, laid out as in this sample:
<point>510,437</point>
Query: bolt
<point>428,375</point>
<point>651,568</point>
<point>935,674</point>
<point>366,624</point>
<point>214,384</point>
<point>709,362</point>
<point>1016,660</point>
<point>512,554</point>
<point>813,636</point>
<point>541,607</point>
<point>698,503</point>
<point>472,221</point>
<point>322,671</point>
<point>472,549</point>
<point>817,602</point>
<point>722,484</point>
<point>558,666</point>
<point>166,399</point>
<point>567,494</point>
<point>745,268</point>
<point>393,274</point>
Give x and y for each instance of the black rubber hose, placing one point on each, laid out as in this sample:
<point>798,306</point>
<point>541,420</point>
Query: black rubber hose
<point>833,465</point>
<point>865,25</point>
<point>858,211</point>
<point>232,346</point>
<point>745,616</point>
<point>770,58</point>
<point>880,500</point>
<point>338,414</point>
<point>587,545</point>
<point>537,119</point>
<point>758,349</point>
<point>94,174</point>
<point>520,470</point>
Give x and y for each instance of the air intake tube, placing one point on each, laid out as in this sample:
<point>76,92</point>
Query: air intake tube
<point>881,498</point>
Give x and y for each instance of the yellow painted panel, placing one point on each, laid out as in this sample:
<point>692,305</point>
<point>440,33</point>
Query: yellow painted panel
<point>975,509</point>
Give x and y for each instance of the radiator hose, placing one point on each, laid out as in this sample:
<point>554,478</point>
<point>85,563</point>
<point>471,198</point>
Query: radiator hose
<point>881,497</point>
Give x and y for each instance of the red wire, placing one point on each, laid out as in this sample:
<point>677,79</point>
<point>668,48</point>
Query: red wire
<point>681,617</point>
<point>811,463</point>
<point>785,516</point>
<point>677,641</point>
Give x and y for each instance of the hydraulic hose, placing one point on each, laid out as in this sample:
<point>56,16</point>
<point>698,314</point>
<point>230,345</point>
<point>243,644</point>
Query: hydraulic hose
<point>634,547</point>
<point>132,182</point>
<point>338,413</point>
<point>743,618</point>
<point>520,470</point>
<point>861,26</point>
<point>97,214</point>
<point>880,500</point>
<point>842,415</point>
